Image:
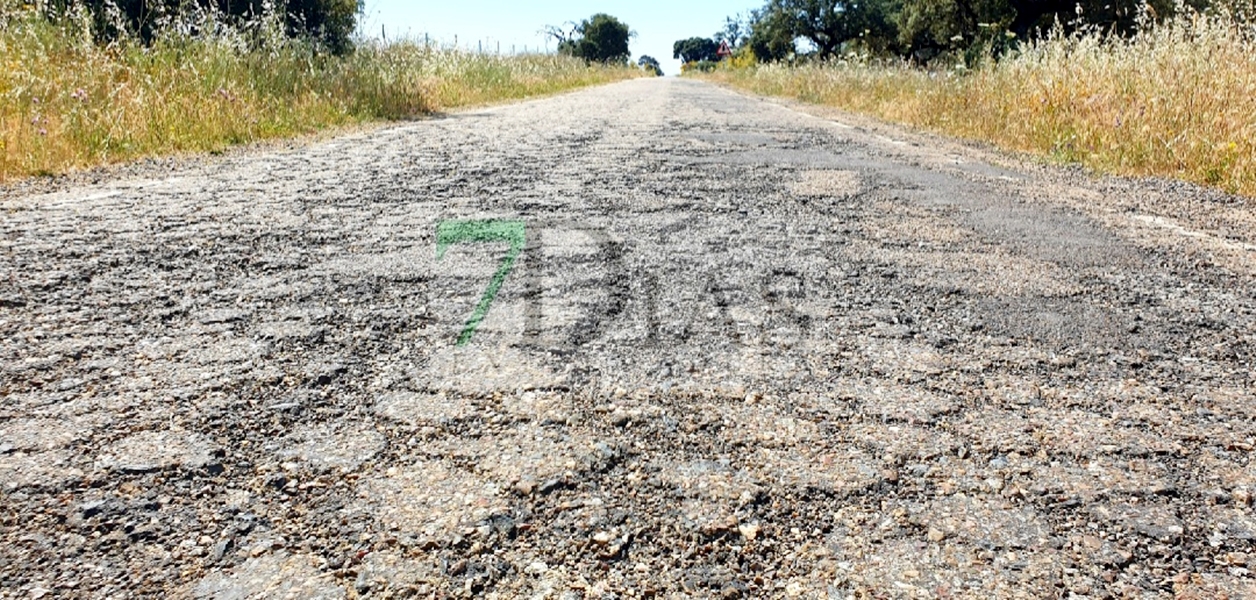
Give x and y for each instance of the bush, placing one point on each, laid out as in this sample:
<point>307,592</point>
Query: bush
<point>703,66</point>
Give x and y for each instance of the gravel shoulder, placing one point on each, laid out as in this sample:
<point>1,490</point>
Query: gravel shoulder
<point>747,349</point>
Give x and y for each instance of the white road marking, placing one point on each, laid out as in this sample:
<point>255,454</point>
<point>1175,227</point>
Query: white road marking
<point>1171,225</point>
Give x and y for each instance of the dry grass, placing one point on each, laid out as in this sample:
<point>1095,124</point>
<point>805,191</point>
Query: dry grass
<point>67,103</point>
<point>1177,100</point>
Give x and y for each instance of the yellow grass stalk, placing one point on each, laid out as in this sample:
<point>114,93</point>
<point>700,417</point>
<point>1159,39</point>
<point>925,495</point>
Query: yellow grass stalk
<point>66,102</point>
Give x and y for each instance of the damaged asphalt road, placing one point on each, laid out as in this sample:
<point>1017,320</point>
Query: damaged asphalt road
<point>728,348</point>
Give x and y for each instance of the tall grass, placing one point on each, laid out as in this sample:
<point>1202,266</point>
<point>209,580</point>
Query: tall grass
<point>1177,99</point>
<point>67,102</point>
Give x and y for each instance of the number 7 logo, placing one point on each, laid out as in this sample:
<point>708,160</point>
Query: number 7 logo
<point>449,233</point>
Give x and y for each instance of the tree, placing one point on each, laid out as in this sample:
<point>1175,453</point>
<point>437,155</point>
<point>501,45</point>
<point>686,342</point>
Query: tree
<point>829,25</point>
<point>976,28</point>
<point>771,36</point>
<point>734,32</point>
<point>922,30</point>
<point>600,38</point>
<point>566,35</point>
<point>696,49</point>
<point>328,22</point>
<point>651,64</point>
<point>1118,16</point>
<point>928,28</point>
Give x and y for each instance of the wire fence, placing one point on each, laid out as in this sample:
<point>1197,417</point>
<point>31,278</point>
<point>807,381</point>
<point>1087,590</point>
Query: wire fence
<point>477,45</point>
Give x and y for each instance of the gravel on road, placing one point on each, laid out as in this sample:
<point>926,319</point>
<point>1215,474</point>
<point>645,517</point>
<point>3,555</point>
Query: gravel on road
<point>729,348</point>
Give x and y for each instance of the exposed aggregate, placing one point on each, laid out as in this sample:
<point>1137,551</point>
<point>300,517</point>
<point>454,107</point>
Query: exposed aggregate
<point>747,352</point>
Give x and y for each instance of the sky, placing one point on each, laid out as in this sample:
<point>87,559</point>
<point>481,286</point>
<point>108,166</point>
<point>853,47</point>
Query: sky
<point>514,23</point>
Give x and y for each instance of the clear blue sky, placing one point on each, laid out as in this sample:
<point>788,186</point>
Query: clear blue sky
<point>517,23</point>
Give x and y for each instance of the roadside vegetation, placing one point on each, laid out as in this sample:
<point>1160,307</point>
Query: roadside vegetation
<point>84,84</point>
<point>1150,95</point>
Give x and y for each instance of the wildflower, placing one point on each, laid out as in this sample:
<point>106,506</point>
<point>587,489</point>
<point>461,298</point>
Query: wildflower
<point>80,95</point>
<point>43,131</point>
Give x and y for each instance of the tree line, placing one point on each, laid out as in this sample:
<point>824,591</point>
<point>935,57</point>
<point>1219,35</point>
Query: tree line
<point>917,30</point>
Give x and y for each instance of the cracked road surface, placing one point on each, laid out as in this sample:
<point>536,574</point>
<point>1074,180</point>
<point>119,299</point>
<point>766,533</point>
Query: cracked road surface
<point>746,350</point>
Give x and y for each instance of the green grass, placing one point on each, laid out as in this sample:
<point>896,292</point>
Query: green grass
<point>66,102</point>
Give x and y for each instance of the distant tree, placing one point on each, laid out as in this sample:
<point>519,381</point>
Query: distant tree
<point>601,38</point>
<point>696,49</point>
<point>650,63</point>
<point>566,35</point>
<point>734,32</point>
